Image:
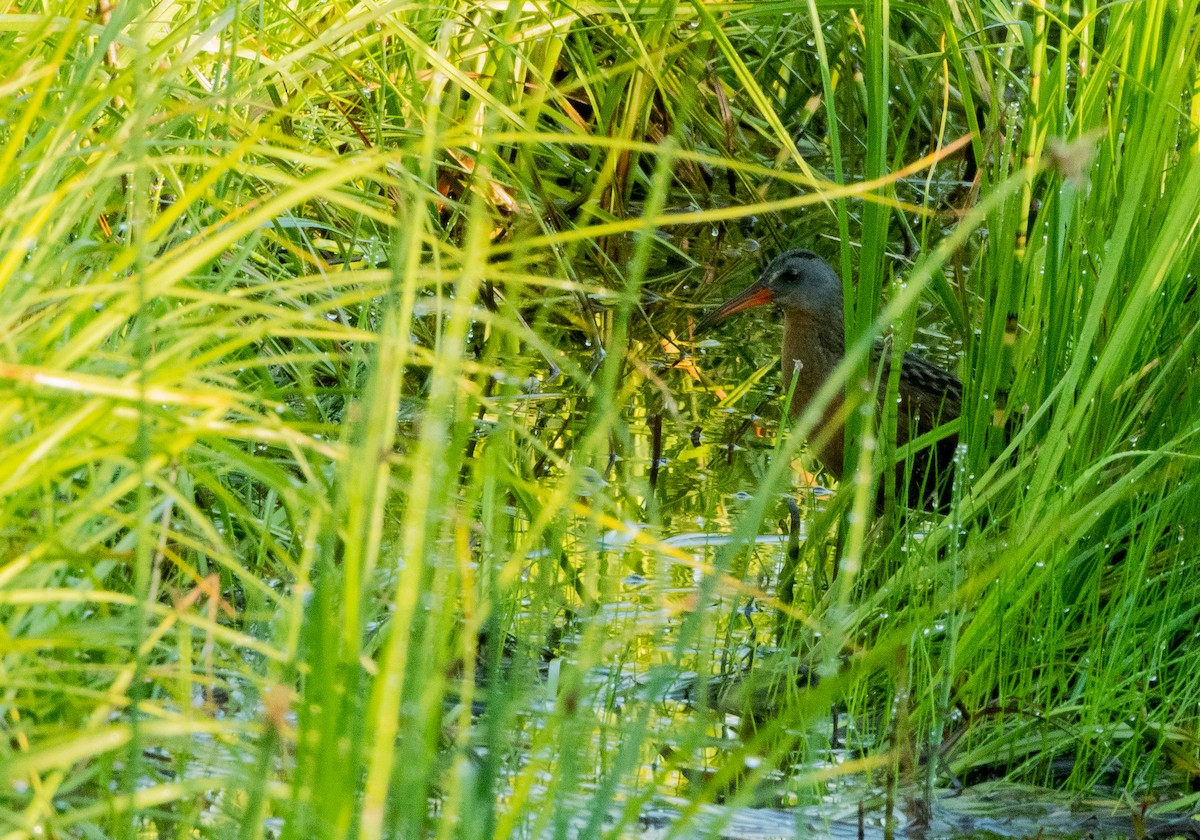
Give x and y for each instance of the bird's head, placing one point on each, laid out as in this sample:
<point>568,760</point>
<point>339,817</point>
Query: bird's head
<point>796,280</point>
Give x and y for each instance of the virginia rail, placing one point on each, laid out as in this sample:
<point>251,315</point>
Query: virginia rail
<point>810,294</point>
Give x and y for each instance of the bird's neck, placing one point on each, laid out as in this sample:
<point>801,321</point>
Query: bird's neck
<point>812,347</point>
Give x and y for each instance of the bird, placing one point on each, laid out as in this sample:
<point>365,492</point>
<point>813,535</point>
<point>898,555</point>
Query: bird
<point>809,292</point>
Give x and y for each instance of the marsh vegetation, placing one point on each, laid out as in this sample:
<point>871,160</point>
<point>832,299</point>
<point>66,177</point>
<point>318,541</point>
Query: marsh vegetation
<point>363,475</point>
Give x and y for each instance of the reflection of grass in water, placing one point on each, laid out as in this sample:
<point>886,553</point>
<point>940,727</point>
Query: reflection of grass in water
<point>333,347</point>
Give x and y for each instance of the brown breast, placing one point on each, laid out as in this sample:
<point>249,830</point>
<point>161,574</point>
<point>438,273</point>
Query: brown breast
<point>929,396</point>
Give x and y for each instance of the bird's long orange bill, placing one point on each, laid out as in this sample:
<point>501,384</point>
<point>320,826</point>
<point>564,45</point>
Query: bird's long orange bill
<point>758,294</point>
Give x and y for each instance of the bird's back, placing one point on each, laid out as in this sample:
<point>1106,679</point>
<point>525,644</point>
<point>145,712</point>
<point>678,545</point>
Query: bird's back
<point>928,397</point>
